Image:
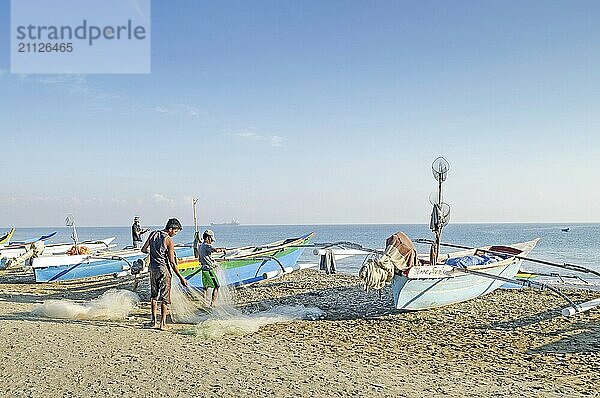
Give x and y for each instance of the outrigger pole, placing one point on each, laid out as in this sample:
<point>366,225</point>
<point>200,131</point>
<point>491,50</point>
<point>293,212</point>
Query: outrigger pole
<point>524,283</point>
<point>571,310</point>
<point>341,245</point>
<point>570,267</point>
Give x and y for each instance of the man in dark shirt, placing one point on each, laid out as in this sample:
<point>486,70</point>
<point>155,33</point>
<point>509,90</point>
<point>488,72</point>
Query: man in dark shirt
<point>162,265</point>
<point>137,232</point>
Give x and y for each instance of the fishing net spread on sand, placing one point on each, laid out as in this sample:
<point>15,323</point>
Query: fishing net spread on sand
<point>114,304</point>
<point>218,324</point>
<point>188,305</point>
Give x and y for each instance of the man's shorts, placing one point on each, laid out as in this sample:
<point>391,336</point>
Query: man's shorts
<point>160,284</point>
<point>209,279</point>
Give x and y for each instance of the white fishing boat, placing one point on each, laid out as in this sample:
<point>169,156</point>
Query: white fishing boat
<point>14,251</point>
<point>436,280</point>
<point>458,276</point>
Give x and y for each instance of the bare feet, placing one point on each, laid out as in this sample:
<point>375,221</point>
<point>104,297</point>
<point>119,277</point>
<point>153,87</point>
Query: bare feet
<point>163,326</point>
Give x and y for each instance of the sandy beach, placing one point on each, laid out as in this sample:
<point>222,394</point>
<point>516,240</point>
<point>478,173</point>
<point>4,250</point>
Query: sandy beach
<point>509,343</point>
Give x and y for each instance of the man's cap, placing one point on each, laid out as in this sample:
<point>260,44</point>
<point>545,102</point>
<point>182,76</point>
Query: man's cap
<point>174,223</point>
<point>210,233</point>
<point>136,218</point>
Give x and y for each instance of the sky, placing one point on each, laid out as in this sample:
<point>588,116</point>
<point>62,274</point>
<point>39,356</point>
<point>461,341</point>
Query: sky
<point>312,112</point>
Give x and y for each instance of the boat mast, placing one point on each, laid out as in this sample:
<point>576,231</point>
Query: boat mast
<point>70,222</point>
<point>196,233</point>
<point>441,211</point>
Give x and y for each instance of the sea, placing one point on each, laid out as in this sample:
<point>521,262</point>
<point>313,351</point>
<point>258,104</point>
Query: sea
<point>580,245</point>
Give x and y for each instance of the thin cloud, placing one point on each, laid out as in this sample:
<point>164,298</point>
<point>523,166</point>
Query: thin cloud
<point>76,84</point>
<point>160,198</point>
<point>271,140</point>
<point>179,109</point>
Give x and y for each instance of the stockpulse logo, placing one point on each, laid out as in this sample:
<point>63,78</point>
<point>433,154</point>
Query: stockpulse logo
<point>86,32</point>
<point>92,36</point>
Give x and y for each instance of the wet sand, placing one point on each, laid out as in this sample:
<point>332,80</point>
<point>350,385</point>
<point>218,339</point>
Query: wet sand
<point>509,343</point>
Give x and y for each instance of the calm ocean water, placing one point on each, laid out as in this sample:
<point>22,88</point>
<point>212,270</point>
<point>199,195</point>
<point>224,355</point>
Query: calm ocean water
<point>581,245</point>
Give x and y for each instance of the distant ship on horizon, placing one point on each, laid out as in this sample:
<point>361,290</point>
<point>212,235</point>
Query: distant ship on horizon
<point>233,222</point>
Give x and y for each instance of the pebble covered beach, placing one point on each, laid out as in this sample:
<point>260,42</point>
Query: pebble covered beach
<point>508,343</point>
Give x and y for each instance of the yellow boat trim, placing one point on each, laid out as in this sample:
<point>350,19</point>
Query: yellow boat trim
<point>4,239</point>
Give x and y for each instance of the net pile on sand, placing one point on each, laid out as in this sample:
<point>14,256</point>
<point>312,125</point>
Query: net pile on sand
<point>189,306</point>
<point>218,324</point>
<point>114,304</point>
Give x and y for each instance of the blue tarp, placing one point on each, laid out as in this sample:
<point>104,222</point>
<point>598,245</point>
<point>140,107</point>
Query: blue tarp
<point>466,261</point>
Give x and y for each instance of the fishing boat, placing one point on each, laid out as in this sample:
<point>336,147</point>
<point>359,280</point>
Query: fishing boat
<point>425,282</point>
<point>232,223</point>
<point>246,265</point>
<point>18,249</point>
<point>458,276</point>
<point>57,268</point>
<point>240,266</point>
<point>4,239</point>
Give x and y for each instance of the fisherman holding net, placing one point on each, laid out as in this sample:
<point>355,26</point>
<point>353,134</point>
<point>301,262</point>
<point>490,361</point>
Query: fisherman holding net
<point>162,262</point>
<point>209,266</point>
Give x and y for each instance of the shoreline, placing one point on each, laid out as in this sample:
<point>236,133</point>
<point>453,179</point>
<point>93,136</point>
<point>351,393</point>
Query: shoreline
<point>510,342</point>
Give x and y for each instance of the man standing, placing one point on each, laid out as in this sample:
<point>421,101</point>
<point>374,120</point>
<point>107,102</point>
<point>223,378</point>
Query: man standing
<point>209,266</point>
<point>137,232</point>
<point>162,262</point>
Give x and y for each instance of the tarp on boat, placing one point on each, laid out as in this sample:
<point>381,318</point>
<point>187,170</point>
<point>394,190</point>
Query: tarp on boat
<point>400,252</point>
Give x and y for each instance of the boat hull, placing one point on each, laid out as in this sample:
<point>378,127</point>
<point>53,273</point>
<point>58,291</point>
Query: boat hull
<point>58,248</point>
<point>267,264</point>
<point>252,264</point>
<point>421,294</point>
<point>64,268</point>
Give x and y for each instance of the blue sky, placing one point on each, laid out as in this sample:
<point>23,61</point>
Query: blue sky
<point>299,112</point>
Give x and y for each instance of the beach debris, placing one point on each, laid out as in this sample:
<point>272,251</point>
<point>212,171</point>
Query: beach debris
<point>114,304</point>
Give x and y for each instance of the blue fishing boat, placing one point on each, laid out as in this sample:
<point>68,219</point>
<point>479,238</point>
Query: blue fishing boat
<point>246,265</point>
<point>58,268</point>
<point>240,266</point>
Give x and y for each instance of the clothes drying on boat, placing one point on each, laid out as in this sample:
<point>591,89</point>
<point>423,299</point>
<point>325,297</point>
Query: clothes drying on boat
<point>327,262</point>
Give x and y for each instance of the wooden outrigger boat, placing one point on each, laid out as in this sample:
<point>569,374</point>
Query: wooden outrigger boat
<point>5,239</point>
<point>16,250</point>
<point>251,264</point>
<point>57,268</point>
<point>241,266</point>
<point>449,282</point>
<point>421,283</point>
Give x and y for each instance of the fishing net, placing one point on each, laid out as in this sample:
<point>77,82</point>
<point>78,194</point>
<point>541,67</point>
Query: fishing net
<point>218,325</point>
<point>400,254</point>
<point>189,305</point>
<point>114,304</point>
